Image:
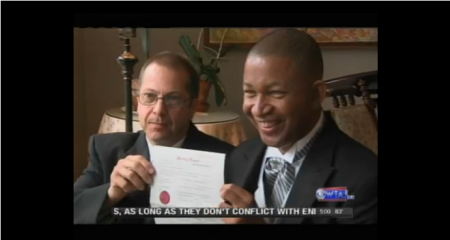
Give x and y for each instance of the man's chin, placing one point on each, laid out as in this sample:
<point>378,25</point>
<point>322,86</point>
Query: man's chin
<point>271,141</point>
<point>157,137</point>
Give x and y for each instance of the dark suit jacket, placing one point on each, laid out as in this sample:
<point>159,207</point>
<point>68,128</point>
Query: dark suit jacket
<point>90,190</point>
<point>334,160</point>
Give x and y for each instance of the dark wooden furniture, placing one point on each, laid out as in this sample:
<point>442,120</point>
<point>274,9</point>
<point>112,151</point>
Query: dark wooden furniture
<point>343,90</point>
<point>359,121</point>
<point>127,61</point>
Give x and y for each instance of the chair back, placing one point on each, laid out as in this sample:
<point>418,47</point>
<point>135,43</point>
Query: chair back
<point>359,121</point>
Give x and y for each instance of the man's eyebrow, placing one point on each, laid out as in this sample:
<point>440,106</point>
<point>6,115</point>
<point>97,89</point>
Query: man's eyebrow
<point>173,92</point>
<point>246,84</point>
<point>149,90</point>
<point>274,84</point>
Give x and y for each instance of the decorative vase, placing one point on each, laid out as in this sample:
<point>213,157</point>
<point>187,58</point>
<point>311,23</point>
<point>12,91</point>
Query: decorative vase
<point>205,87</point>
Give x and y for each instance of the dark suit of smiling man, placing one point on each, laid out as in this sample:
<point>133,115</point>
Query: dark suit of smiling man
<point>299,149</point>
<point>120,168</point>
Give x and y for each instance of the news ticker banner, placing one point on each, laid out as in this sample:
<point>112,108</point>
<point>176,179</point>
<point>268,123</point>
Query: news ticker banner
<point>233,212</point>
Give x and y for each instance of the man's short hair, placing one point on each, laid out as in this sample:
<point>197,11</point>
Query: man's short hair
<point>176,61</point>
<point>295,44</point>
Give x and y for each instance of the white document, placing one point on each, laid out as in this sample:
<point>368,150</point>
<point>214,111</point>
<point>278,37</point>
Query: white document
<point>186,178</point>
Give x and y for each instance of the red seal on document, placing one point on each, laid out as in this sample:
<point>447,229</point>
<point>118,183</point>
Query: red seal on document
<point>164,197</point>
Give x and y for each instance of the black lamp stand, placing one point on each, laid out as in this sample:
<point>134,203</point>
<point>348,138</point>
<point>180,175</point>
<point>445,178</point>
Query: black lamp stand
<point>127,61</point>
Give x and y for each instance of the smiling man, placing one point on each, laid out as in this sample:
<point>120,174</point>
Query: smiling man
<point>120,170</point>
<point>299,149</point>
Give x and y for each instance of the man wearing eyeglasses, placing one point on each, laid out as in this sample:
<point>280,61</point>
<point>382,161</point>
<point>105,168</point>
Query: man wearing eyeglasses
<point>120,168</point>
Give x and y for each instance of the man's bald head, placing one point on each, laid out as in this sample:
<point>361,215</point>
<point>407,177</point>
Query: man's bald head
<point>296,45</point>
<point>283,91</point>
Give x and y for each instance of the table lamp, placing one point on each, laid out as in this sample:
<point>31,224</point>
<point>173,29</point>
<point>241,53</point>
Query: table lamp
<point>127,61</point>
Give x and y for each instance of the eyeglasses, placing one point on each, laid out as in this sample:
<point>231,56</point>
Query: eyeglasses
<point>149,99</point>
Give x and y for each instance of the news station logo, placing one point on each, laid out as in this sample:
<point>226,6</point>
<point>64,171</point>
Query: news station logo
<point>333,194</point>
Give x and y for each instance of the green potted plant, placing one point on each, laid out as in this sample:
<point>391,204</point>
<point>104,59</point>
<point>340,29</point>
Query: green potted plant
<point>208,71</point>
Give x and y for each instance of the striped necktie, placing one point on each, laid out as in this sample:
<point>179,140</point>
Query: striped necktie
<point>279,176</point>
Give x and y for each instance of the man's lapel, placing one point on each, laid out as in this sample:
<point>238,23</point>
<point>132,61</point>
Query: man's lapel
<point>250,168</point>
<point>140,147</point>
<point>314,171</point>
<point>193,138</point>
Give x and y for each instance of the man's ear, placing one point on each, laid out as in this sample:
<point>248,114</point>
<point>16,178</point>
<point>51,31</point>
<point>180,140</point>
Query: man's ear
<point>320,92</point>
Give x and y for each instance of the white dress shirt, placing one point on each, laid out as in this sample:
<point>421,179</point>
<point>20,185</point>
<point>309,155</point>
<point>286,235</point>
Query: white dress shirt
<point>288,156</point>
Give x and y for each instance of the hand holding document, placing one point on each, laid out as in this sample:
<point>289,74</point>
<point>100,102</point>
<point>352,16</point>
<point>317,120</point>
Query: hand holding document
<point>186,178</point>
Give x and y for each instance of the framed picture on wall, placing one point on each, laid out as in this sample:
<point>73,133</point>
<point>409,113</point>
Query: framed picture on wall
<point>247,37</point>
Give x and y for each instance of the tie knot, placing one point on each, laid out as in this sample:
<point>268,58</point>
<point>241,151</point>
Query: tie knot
<point>275,164</point>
